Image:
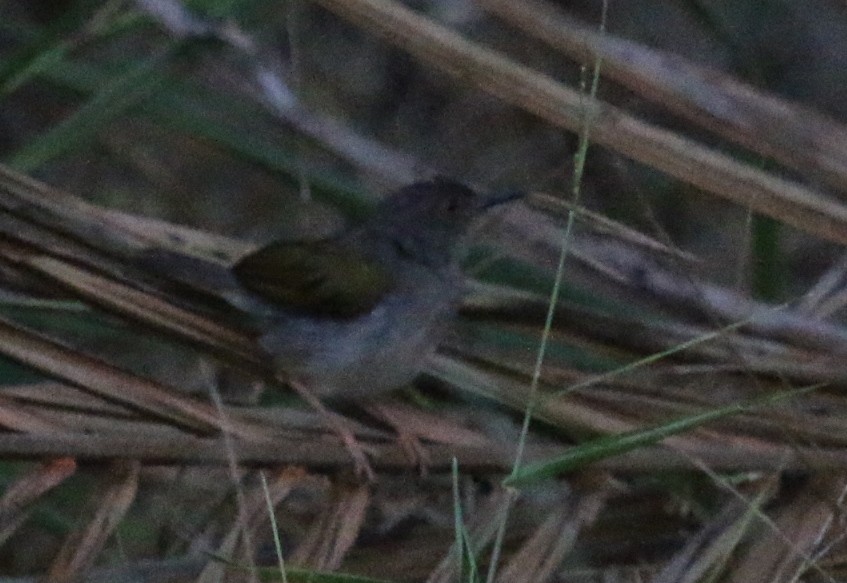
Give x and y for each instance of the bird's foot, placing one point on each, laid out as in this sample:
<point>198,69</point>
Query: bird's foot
<point>408,439</point>
<point>342,429</point>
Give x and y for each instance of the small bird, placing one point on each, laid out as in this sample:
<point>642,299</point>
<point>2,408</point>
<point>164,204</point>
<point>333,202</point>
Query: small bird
<point>358,314</point>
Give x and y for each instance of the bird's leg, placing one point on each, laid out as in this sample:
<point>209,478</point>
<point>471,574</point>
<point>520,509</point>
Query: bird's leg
<point>414,425</point>
<point>340,426</point>
<point>408,438</point>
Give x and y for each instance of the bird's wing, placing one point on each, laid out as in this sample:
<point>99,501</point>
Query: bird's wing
<point>318,278</point>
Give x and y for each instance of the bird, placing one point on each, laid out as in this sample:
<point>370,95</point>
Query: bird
<point>358,314</point>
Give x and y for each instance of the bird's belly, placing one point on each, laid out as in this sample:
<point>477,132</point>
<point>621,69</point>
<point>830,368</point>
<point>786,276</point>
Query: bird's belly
<point>373,353</point>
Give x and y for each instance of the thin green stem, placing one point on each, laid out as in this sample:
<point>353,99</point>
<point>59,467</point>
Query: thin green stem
<point>579,168</point>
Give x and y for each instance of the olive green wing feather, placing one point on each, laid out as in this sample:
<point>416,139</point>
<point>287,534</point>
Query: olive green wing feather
<point>319,278</point>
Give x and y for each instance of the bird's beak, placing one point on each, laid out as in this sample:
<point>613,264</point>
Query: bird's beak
<point>502,198</point>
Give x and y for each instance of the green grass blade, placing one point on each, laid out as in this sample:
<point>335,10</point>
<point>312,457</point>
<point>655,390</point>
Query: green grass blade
<point>612,445</point>
<point>115,98</point>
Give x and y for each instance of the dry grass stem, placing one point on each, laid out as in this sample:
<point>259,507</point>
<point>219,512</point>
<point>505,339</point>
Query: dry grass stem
<point>664,150</point>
